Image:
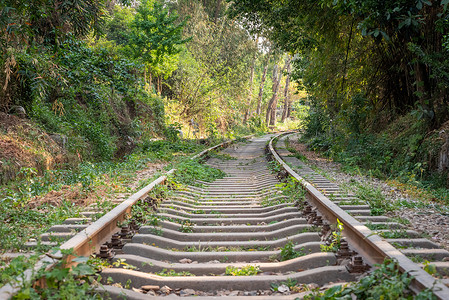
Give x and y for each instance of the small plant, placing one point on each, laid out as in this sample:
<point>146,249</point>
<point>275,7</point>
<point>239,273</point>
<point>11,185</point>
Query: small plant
<point>173,273</point>
<point>248,270</point>
<point>274,166</point>
<point>289,252</point>
<point>394,234</point>
<point>156,231</point>
<point>430,268</point>
<point>15,268</point>
<point>336,239</point>
<point>374,197</point>
<point>121,263</point>
<point>292,192</point>
<point>63,282</point>
<point>377,226</point>
<point>186,226</point>
<point>290,283</point>
<point>385,282</point>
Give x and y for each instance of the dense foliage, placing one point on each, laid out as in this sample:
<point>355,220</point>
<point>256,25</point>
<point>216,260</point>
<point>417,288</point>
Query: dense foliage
<point>375,73</point>
<point>109,75</point>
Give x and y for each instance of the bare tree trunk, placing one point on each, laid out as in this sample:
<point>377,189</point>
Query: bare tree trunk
<point>158,85</point>
<point>217,11</point>
<point>270,118</point>
<point>286,94</point>
<point>289,109</point>
<point>271,109</point>
<point>250,94</point>
<point>262,83</point>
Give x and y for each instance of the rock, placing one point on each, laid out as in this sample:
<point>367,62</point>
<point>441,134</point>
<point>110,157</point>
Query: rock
<point>234,293</point>
<point>150,287</point>
<point>185,261</point>
<point>214,262</point>
<point>250,293</point>
<point>268,273</point>
<point>165,290</point>
<point>18,111</point>
<point>312,286</point>
<point>283,288</point>
<point>186,292</point>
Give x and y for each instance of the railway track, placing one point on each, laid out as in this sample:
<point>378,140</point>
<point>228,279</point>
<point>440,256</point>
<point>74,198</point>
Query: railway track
<point>243,224</point>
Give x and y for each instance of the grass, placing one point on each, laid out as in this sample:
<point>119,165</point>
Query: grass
<point>224,249</point>
<point>374,197</point>
<point>191,170</point>
<point>26,213</point>
<point>20,223</point>
<point>173,273</point>
<point>248,270</point>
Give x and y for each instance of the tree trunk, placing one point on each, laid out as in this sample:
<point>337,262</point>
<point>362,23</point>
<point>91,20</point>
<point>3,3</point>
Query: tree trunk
<point>289,109</point>
<point>270,118</point>
<point>286,94</point>
<point>262,83</point>
<point>271,109</point>
<point>250,94</point>
<point>217,11</point>
<point>159,85</point>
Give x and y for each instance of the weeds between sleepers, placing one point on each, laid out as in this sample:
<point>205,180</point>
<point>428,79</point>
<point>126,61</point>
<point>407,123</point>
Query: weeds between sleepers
<point>60,282</point>
<point>384,282</point>
<point>248,270</point>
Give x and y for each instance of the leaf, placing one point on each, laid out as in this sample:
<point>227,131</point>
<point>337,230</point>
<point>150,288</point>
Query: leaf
<point>419,5</point>
<point>81,259</point>
<point>333,291</point>
<point>83,270</point>
<point>385,35</point>
<point>444,3</point>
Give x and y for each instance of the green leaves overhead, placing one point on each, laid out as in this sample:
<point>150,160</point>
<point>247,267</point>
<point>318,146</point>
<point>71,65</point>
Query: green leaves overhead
<point>155,33</point>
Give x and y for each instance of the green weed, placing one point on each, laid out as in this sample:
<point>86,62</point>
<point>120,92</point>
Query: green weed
<point>336,239</point>
<point>385,282</point>
<point>173,273</point>
<point>186,226</point>
<point>289,252</point>
<point>248,270</point>
<point>290,283</point>
<point>62,282</point>
<point>191,170</point>
<point>394,234</point>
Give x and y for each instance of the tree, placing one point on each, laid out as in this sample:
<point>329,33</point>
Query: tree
<point>155,35</point>
<point>286,107</point>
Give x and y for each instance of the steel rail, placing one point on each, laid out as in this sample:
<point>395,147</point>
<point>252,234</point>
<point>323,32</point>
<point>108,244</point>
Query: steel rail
<point>90,239</point>
<point>372,247</point>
